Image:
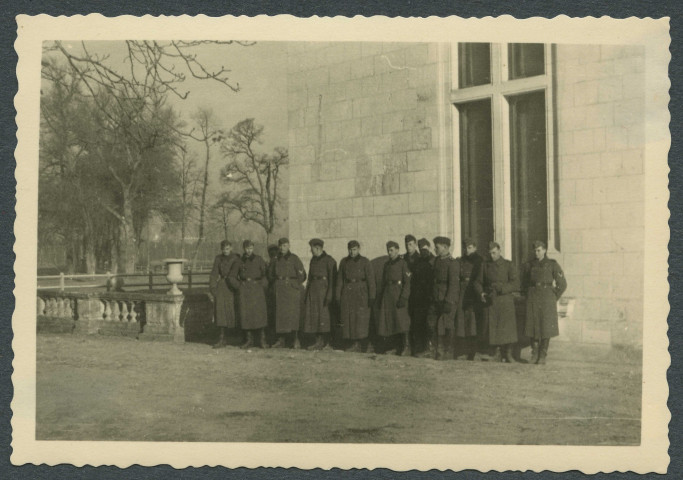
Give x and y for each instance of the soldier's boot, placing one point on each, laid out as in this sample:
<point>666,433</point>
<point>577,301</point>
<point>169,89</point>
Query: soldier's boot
<point>497,356</point>
<point>221,339</point>
<point>264,343</point>
<point>534,352</point>
<point>389,345</point>
<point>280,343</point>
<point>326,342</point>
<point>249,342</point>
<point>444,351</point>
<point>430,343</point>
<point>297,344</point>
<point>318,345</point>
<point>449,345</point>
<point>543,350</point>
<point>406,345</point>
<point>354,348</point>
<point>508,353</point>
<point>471,348</point>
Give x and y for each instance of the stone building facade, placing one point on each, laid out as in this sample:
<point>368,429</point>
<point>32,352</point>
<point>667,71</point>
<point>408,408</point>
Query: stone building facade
<point>504,142</point>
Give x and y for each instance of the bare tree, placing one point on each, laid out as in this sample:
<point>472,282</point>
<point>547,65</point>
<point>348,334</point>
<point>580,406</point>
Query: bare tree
<point>208,134</point>
<point>190,180</point>
<point>134,118</point>
<point>253,177</point>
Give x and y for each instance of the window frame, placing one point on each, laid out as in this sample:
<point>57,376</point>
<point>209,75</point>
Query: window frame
<point>499,91</point>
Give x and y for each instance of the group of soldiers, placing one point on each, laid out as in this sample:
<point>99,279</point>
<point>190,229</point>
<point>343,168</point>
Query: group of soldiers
<point>418,303</point>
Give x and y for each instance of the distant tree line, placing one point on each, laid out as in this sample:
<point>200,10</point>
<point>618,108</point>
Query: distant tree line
<point>114,155</point>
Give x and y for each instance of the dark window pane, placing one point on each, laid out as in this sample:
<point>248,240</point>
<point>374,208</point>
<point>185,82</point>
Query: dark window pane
<point>525,60</point>
<point>528,173</point>
<point>474,64</point>
<point>476,171</point>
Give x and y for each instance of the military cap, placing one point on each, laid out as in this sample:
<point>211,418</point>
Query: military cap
<point>410,238</point>
<point>442,241</point>
<point>225,243</point>
<point>247,243</point>
<point>467,241</point>
<point>493,245</point>
<point>272,247</point>
<point>282,241</point>
<point>423,242</point>
<point>316,242</point>
<point>539,243</point>
<point>391,243</point>
<point>352,243</point>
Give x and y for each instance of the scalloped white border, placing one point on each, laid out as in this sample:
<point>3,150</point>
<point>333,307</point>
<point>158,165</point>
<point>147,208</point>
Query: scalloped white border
<point>650,456</point>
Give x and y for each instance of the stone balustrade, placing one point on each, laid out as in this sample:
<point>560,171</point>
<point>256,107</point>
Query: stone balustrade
<point>146,316</point>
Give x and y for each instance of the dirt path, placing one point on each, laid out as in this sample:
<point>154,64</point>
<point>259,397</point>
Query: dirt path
<point>106,388</point>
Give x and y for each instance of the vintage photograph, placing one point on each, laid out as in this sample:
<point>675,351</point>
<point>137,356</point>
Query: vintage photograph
<point>337,241</point>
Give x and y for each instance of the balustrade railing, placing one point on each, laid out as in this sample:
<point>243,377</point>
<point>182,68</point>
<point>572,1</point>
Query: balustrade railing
<point>62,282</point>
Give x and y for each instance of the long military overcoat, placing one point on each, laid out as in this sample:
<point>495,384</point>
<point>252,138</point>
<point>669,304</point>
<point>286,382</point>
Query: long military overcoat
<point>445,290</point>
<point>499,280</point>
<point>248,278</point>
<point>469,316</point>
<point>287,274</point>
<point>223,297</point>
<point>395,286</point>
<point>543,282</point>
<point>322,273</point>
<point>355,286</point>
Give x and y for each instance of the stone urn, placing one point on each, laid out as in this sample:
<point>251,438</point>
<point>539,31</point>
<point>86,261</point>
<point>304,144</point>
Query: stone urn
<point>174,273</point>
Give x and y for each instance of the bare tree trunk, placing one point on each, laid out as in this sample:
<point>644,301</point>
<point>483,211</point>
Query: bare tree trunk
<point>225,222</point>
<point>183,223</point>
<point>202,205</point>
<point>89,248</point>
<point>126,250</point>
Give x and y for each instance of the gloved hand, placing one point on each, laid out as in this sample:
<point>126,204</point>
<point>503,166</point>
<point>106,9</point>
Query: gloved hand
<point>401,303</point>
<point>446,307</point>
<point>371,302</point>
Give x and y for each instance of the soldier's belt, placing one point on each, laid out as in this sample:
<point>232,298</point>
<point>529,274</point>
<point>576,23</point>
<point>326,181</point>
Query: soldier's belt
<point>249,279</point>
<point>393,282</point>
<point>543,284</point>
<point>286,278</point>
<point>355,280</point>
<point>465,279</point>
<point>318,277</point>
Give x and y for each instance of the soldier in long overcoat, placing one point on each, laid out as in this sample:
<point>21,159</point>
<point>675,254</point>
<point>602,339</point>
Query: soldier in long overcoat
<point>355,292</point>
<point>421,283</point>
<point>412,254</point>
<point>444,300</point>
<point>270,296</point>
<point>248,278</point>
<point>392,313</point>
<point>543,283</point>
<point>468,318</point>
<point>495,284</point>
<point>221,293</point>
<point>322,273</point>
<point>286,274</point>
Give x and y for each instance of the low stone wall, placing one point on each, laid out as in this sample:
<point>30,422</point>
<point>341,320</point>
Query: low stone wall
<point>145,316</point>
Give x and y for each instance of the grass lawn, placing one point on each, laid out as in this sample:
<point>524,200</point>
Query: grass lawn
<point>111,388</point>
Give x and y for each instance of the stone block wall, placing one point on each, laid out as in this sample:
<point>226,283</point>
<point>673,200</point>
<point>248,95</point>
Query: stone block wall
<point>365,136</point>
<point>371,159</point>
<point>601,145</point>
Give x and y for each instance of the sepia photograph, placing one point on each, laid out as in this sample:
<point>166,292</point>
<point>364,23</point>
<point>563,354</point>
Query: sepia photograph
<point>353,241</point>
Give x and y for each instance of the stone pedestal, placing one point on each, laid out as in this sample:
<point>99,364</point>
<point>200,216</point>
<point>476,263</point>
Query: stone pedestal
<point>163,319</point>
